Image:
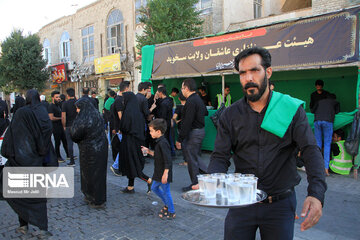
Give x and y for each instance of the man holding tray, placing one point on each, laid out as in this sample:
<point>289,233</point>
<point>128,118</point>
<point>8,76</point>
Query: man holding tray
<point>261,132</point>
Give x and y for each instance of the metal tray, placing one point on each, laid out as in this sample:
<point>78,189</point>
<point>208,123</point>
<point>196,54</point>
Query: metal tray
<point>195,197</point>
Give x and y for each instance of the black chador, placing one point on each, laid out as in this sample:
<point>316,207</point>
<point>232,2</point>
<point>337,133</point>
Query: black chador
<point>88,131</point>
<point>26,144</point>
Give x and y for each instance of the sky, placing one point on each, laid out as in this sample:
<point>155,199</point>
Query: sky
<point>31,15</point>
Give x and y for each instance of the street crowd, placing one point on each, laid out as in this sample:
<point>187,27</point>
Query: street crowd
<point>141,125</point>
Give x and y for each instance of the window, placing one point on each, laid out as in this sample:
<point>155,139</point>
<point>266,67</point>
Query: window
<point>47,51</point>
<point>87,35</point>
<point>203,4</point>
<point>257,8</point>
<point>65,47</point>
<point>115,32</point>
<point>138,5</point>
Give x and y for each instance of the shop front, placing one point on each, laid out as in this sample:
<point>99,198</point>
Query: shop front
<point>109,74</point>
<point>322,47</point>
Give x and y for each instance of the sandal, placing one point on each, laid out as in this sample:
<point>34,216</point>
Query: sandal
<point>170,216</point>
<point>164,209</point>
<point>163,212</point>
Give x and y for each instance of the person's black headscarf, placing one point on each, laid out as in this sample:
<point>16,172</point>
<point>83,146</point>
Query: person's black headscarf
<point>87,117</point>
<point>85,106</point>
<point>19,102</point>
<point>132,120</point>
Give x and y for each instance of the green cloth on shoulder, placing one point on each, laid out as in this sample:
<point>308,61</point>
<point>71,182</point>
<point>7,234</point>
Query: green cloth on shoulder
<point>279,113</point>
<point>108,103</point>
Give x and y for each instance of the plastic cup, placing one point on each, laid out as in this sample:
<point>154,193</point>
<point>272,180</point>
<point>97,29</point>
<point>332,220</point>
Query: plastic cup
<point>252,182</point>
<point>246,191</point>
<point>233,189</point>
<point>210,187</point>
<point>144,152</point>
<point>201,182</point>
<point>219,177</point>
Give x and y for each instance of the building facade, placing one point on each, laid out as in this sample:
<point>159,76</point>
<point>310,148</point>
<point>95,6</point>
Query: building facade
<point>230,15</point>
<point>96,45</point>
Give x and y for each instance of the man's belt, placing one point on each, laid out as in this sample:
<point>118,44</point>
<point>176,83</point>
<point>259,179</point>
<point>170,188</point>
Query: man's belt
<point>278,197</point>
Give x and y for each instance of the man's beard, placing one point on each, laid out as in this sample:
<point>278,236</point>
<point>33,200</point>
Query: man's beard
<point>253,97</point>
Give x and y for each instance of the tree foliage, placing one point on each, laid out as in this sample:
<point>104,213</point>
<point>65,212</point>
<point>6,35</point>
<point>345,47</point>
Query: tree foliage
<point>21,63</point>
<point>169,20</point>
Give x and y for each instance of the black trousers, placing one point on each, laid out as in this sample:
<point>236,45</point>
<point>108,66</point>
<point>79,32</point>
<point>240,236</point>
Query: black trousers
<point>191,149</point>
<point>59,136</point>
<point>143,177</point>
<point>274,220</point>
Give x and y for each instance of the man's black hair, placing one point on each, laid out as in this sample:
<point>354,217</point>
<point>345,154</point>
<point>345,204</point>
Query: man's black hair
<point>93,92</point>
<point>162,90</point>
<point>142,86</point>
<point>203,88</point>
<point>264,54</point>
<point>86,91</point>
<point>226,86</point>
<point>319,82</point>
<point>62,97</point>
<point>70,92</point>
<point>124,85</point>
<point>340,133</point>
<point>158,124</point>
<point>148,84</point>
<point>181,97</point>
<point>53,93</point>
<point>112,93</point>
<point>190,84</point>
<point>175,90</point>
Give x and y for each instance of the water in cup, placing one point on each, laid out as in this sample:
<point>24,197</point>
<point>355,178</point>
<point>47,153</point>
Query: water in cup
<point>233,190</point>
<point>144,152</point>
<point>201,183</point>
<point>246,192</point>
<point>210,187</point>
<point>219,177</point>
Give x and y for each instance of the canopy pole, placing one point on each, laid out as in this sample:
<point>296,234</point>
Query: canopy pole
<point>222,85</point>
<point>357,88</point>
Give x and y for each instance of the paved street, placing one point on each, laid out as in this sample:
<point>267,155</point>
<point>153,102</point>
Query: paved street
<point>135,216</point>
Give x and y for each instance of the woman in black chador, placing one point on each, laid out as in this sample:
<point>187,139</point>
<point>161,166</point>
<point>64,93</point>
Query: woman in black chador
<point>88,131</point>
<point>132,126</point>
<point>26,143</point>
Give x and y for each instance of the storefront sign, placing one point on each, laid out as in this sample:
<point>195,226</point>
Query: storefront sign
<point>107,64</point>
<point>323,40</point>
<point>58,73</point>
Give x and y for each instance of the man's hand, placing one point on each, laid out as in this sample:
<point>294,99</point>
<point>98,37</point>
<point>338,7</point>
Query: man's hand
<point>313,209</point>
<point>178,145</point>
